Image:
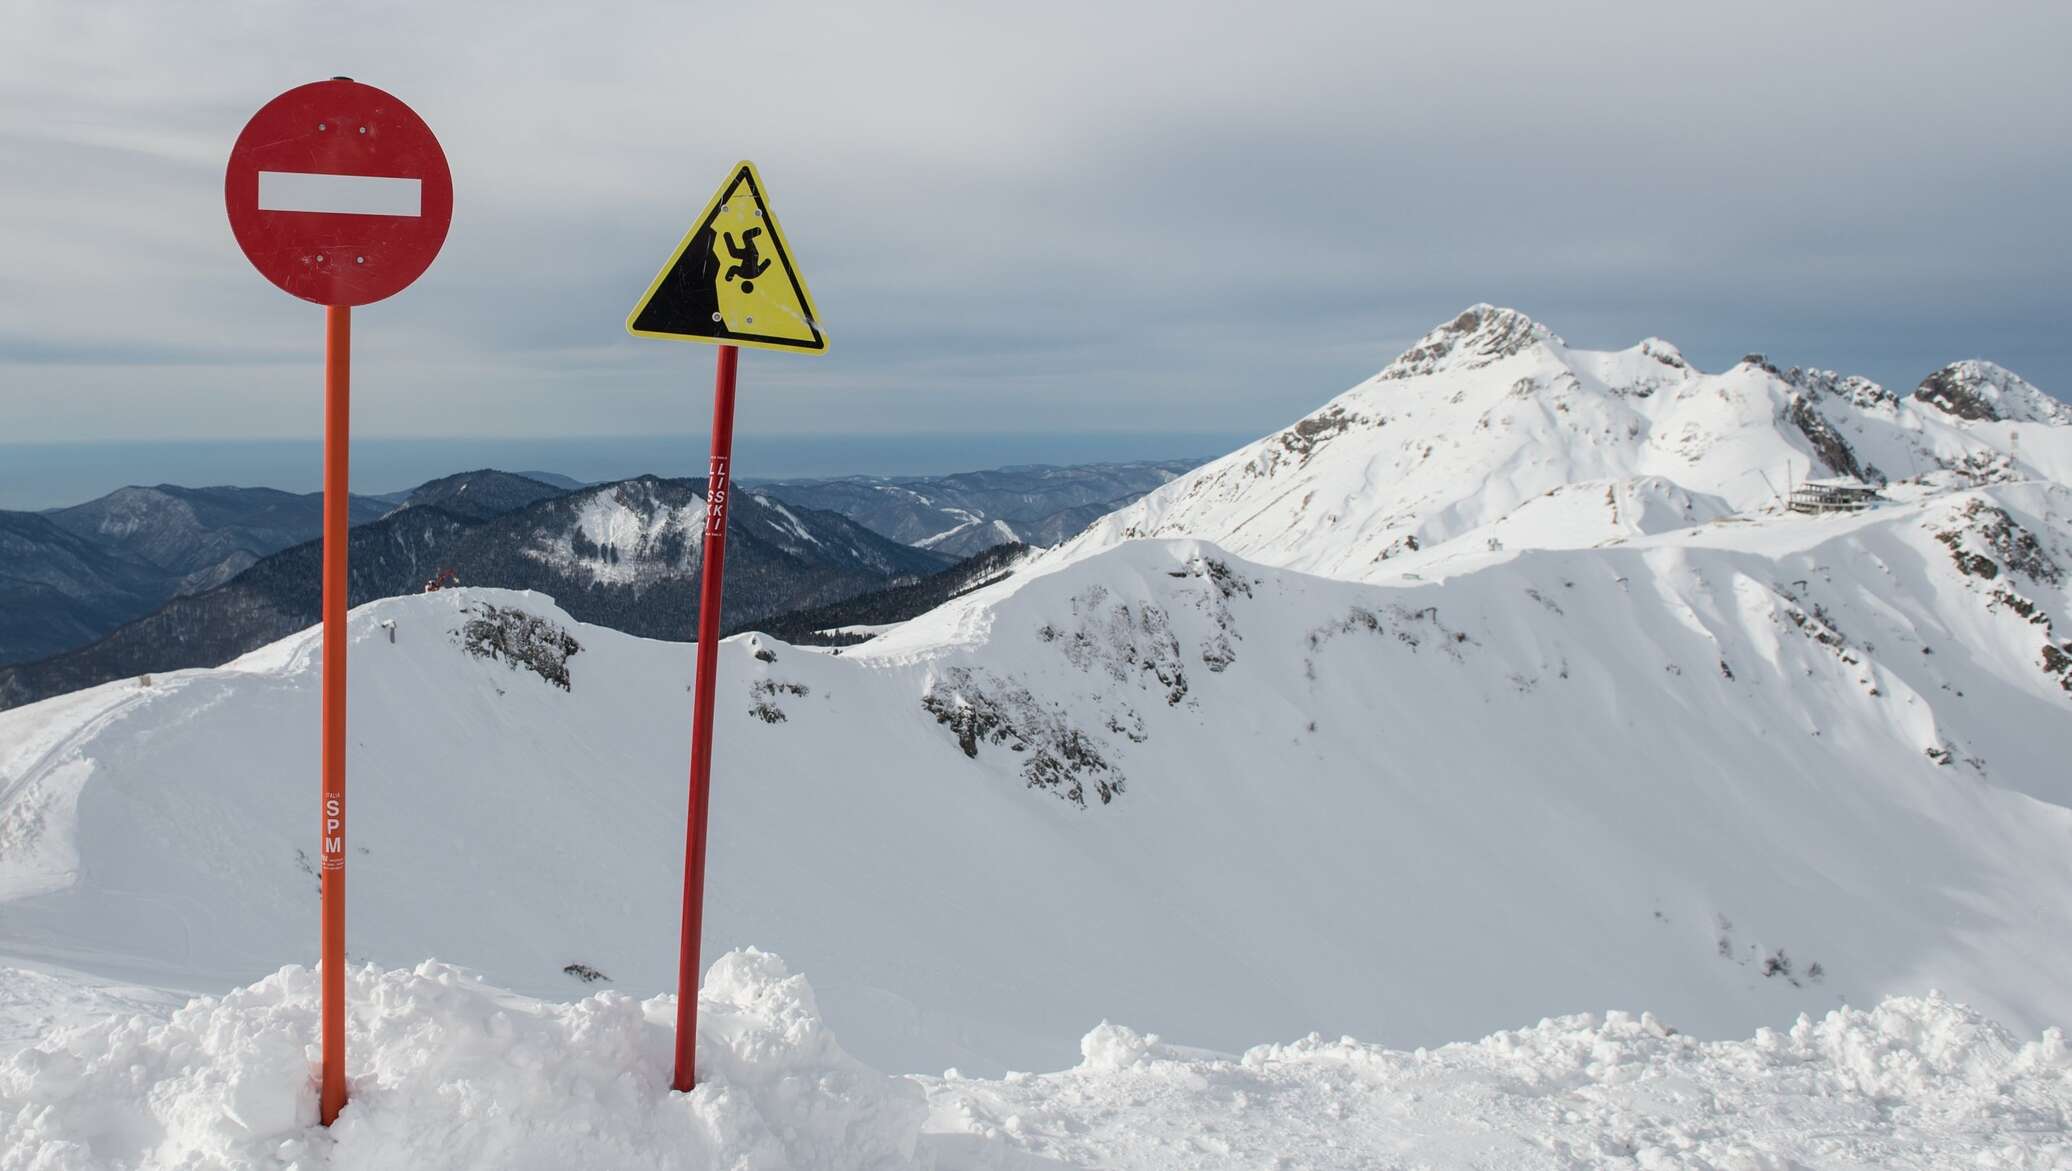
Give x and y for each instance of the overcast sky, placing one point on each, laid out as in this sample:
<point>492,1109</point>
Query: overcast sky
<point>1105,217</point>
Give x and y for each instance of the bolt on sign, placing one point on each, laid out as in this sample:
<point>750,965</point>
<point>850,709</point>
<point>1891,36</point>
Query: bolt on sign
<point>731,282</point>
<point>339,194</point>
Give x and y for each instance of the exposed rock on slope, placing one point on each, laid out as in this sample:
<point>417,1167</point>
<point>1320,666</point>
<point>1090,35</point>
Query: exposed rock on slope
<point>1982,392</point>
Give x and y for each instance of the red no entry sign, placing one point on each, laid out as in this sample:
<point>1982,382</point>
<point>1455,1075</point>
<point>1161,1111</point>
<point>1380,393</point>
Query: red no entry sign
<point>339,193</point>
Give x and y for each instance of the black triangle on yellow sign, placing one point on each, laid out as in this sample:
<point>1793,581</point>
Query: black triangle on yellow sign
<point>732,281</point>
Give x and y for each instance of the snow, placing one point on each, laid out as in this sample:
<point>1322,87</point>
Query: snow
<point>449,1072</point>
<point>40,779</point>
<point>35,1002</point>
<point>1912,1083</point>
<point>970,519</point>
<point>1500,688</point>
<point>623,544</point>
<point>798,528</point>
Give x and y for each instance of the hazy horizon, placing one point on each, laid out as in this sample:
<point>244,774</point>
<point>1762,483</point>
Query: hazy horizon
<point>35,476</point>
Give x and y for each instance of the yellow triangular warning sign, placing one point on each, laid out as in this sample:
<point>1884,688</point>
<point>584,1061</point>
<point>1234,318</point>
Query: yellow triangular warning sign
<point>732,281</point>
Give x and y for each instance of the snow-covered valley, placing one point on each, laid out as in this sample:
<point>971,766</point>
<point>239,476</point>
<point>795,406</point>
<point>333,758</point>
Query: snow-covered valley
<point>1500,688</point>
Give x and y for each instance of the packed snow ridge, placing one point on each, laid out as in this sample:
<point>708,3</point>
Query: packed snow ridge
<point>449,1072</point>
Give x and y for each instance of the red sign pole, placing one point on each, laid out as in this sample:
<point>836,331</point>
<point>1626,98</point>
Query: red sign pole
<point>710,584</point>
<point>338,328</point>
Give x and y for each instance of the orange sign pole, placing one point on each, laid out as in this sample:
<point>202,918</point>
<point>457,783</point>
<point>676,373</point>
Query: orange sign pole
<point>338,332</point>
<point>316,241</point>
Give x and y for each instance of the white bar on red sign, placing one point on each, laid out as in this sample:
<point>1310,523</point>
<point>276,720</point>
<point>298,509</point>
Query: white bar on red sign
<point>340,194</point>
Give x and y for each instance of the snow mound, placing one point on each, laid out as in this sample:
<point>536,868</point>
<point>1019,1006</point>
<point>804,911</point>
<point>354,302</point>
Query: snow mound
<point>1596,512</point>
<point>1911,1083</point>
<point>450,1072</point>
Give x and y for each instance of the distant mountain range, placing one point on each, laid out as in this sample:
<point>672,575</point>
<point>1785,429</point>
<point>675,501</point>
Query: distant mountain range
<point>155,579</point>
<point>71,575</point>
<point>59,589</point>
<point>625,555</point>
<point>970,512</point>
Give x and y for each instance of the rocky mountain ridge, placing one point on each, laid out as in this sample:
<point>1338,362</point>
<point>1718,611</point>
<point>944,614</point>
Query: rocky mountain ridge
<point>1491,429</point>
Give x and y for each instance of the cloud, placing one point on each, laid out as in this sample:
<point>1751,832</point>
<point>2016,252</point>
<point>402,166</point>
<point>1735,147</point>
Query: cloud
<point>1200,217</point>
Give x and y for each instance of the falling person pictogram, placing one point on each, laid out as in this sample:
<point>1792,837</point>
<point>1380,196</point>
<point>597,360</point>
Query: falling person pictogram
<point>748,262</point>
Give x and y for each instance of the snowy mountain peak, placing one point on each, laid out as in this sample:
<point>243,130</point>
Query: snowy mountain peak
<point>1664,352</point>
<point>1492,436</point>
<point>1482,334</point>
<point>1980,391</point>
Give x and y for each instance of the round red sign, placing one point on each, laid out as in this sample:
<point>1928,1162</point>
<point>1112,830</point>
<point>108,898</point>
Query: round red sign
<point>338,193</point>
